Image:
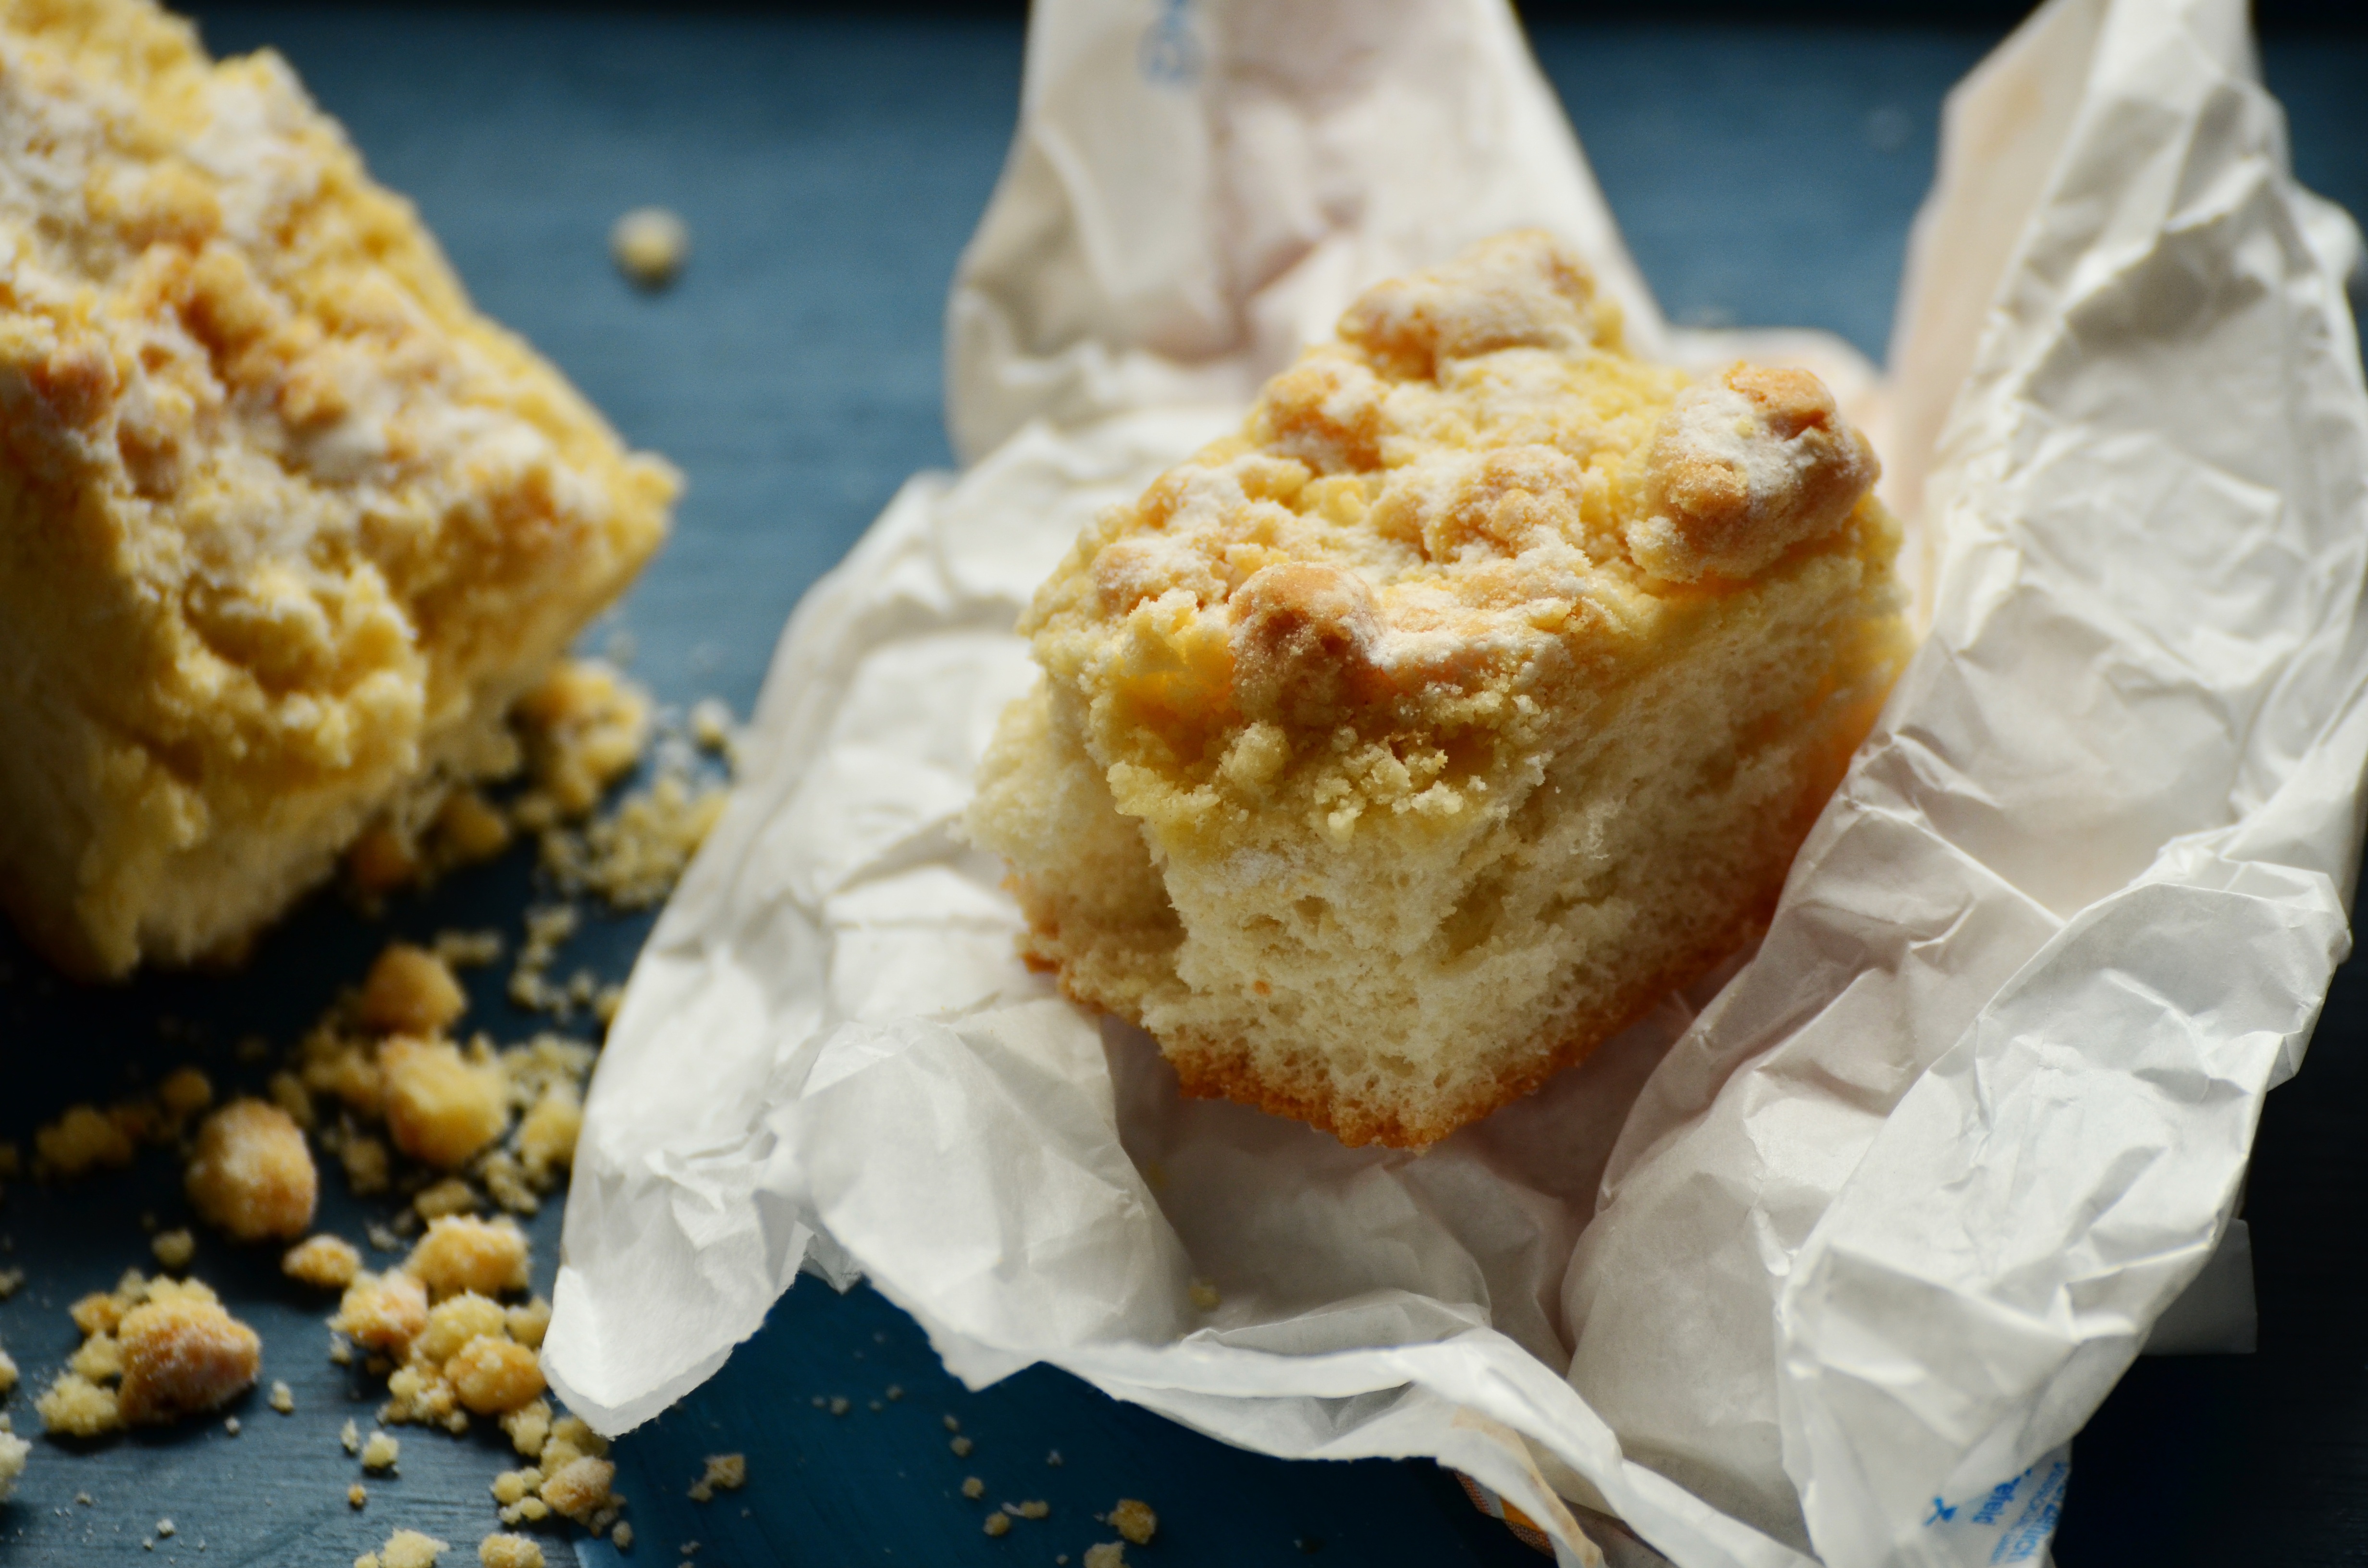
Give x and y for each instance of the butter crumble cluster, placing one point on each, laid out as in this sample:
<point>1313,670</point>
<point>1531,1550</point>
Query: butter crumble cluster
<point>154,1350</point>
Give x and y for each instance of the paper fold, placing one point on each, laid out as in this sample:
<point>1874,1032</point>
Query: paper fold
<point>1831,1255</point>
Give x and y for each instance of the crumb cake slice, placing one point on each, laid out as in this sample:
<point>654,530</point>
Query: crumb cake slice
<point>1392,755</point>
<point>285,526</point>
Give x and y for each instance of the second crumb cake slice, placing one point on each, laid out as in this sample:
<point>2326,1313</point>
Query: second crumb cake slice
<point>1391,755</point>
<point>285,526</point>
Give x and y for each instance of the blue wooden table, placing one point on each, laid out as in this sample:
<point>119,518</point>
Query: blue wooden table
<point>830,171</point>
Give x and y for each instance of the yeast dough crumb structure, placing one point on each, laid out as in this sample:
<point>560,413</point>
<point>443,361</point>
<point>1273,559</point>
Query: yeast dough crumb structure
<point>1392,755</point>
<point>285,526</point>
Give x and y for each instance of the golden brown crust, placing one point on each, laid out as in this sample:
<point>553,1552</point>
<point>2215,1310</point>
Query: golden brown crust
<point>1743,469</point>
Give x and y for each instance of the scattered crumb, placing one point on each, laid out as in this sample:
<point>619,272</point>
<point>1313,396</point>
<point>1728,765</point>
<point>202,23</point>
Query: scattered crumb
<point>727,1472</point>
<point>367,1165</point>
<point>78,1142</point>
<point>973,1487</point>
<point>252,1177</point>
<point>173,1249</point>
<point>407,1549</point>
<point>356,1496</point>
<point>99,1358</point>
<point>528,1429</point>
<point>442,1108</point>
<point>546,1137</point>
<point>382,1311</point>
<point>1034,1509</point>
<point>380,1451</point>
<point>622,1537</point>
<point>633,857</point>
<point>288,1093</point>
<point>230,1426</point>
<point>469,828</point>
<point>174,1349</point>
<point>461,1252</point>
<point>962,1448</point>
<point>470,950</point>
<point>8,1374</point>
<point>529,1323</point>
<point>163,1527</point>
<point>711,725</point>
<point>649,245</point>
<point>509,1551</point>
<point>953,1424</point>
<point>451,1195</point>
<point>185,1092</point>
<point>839,1405</point>
<point>1133,1519</point>
<point>1109,1554</point>
<point>453,1323</point>
<point>13,1452</point>
<point>329,1262</point>
<point>380,862</point>
<point>579,1488</point>
<point>283,1399</point>
<point>494,1377</point>
<point>515,1485</point>
<point>351,1437</point>
<point>11,1281</point>
<point>586,725</point>
<point>998,1523</point>
<point>895,1391</point>
<point>410,991</point>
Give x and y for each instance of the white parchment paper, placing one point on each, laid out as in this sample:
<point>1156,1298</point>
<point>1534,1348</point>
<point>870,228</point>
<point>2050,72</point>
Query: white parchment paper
<point>1832,1255</point>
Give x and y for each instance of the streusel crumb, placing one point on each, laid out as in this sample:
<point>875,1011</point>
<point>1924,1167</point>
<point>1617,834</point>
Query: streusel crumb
<point>13,1453</point>
<point>382,1311</point>
<point>463,1253</point>
<point>410,991</point>
<point>580,1488</point>
<point>441,1106</point>
<point>585,727</point>
<point>252,1176</point>
<point>82,1140</point>
<point>509,1551</point>
<point>183,1354</point>
<point>1133,1519</point>
<point>326,1261</point>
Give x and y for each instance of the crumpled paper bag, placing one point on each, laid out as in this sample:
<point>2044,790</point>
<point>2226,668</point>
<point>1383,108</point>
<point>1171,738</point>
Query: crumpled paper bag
<point>1832,1253</point>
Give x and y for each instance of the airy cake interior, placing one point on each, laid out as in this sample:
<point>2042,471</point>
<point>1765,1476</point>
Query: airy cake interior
<point>1392,755</point>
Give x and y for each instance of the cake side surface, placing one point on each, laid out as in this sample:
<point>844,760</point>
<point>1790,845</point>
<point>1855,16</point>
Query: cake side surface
<point>284,523</point>
<point>1394,752</point>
